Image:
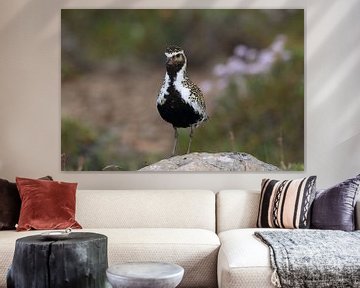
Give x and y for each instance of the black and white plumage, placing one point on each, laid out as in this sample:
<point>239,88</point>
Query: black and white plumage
<point>180,102</point>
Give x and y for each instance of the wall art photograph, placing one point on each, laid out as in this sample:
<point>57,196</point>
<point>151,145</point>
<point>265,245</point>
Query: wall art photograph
<point>182,90</point>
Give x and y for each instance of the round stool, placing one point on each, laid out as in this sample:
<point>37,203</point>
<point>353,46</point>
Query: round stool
<point>145,275</point>
<point>79,260</point>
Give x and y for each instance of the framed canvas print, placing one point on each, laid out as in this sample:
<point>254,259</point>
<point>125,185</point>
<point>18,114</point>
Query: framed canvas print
<point>182,90</point>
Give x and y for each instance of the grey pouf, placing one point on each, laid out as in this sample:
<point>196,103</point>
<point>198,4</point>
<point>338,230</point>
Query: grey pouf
<point>145,275</point>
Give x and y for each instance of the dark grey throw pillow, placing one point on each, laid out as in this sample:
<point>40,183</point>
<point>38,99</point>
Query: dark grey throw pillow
<point>9,205</point>
<point>334,208</point>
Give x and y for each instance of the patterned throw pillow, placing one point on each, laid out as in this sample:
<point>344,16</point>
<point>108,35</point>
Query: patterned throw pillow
<point>286,204</point>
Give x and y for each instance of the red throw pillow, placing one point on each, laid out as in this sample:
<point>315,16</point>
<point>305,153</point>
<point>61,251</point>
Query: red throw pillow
<point>10,204</point>
<point>46,204</point>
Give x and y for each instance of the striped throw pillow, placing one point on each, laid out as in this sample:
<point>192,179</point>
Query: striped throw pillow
<point>286,204</point>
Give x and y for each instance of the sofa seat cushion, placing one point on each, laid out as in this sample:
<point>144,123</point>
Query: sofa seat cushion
<point>244,261</point>
<point>194,249</point>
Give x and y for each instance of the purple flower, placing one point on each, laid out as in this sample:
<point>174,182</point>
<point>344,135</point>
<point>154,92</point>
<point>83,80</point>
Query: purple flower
<point>278,44</point>
<point>206,86</point>
<point>219,70</point>
<point>249,61</point>
<point>240,50</point>
<point>251,54</point>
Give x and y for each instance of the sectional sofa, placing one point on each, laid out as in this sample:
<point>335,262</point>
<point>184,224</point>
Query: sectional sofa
<point>209,234</point>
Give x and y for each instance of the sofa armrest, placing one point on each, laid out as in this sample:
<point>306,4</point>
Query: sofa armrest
<point>357,215</point>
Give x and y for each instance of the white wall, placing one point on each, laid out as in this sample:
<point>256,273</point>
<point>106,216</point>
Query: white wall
<point>30,95</point>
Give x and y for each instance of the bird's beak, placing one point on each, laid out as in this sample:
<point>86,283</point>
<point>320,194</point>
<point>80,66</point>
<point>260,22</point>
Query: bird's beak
<point>170,61</point>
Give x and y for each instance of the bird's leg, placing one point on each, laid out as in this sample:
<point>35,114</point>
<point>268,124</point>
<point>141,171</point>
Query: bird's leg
<point>190,139</point>
<point>175,141</point>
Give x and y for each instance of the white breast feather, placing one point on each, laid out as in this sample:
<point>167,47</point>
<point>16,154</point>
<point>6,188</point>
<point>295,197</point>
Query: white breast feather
<point>179,86</point>
<point>163,91</point>
<point>186,92</point>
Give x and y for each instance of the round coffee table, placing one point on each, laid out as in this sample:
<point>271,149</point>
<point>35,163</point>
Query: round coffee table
<point>145,275</point>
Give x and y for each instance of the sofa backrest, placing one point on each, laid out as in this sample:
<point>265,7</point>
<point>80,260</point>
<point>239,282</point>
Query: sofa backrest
<point>239,209</point>
<point>146,209</point>
<point>236,209</point>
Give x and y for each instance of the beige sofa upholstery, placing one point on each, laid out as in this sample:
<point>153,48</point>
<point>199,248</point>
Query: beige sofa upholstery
<point>243,261</point>
<point>175,226</point>
<point>146,209</point>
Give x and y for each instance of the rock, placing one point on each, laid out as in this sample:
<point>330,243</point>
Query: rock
<point>225,161</point>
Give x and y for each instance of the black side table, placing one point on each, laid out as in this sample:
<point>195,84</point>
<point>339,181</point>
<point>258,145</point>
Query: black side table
<point>79,261</point>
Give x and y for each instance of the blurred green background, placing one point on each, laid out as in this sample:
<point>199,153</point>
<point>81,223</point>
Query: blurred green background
<point>248,63</point>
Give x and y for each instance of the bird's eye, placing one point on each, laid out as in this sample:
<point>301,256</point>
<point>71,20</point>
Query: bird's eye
<point>177,56</point>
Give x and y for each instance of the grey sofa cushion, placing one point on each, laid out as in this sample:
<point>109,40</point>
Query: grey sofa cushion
<point>334,208</point>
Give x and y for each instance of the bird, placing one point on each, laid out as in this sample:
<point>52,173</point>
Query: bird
<point>180,102</point>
